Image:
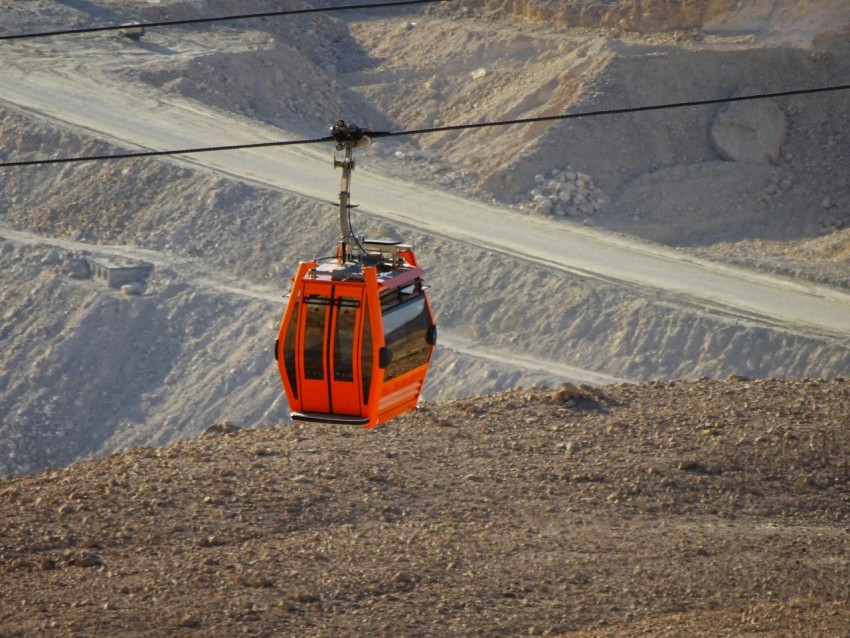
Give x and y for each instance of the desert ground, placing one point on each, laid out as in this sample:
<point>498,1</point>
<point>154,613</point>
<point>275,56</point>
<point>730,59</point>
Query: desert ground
<point>705,508</point>
<point>601,451</point>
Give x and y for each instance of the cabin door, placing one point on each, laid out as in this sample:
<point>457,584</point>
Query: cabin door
<point>331,343</point>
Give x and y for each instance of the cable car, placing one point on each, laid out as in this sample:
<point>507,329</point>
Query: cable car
<point>358,332</point>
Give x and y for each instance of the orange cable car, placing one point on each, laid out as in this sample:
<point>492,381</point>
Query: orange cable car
<point>357,335</point>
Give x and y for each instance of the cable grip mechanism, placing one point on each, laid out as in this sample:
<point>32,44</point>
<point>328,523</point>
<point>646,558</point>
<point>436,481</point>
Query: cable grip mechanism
<point>350,136</point>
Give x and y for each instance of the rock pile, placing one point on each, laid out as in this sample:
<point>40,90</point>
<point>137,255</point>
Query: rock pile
<point>564,193</point>
<point>774,190</point>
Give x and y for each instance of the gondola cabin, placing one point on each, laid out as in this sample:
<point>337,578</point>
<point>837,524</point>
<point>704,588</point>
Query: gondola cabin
<point>354,344</point>
<point>358,332</point>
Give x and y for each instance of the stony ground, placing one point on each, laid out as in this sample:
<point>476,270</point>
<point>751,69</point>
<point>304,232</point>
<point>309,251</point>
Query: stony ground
<point>709,508</point>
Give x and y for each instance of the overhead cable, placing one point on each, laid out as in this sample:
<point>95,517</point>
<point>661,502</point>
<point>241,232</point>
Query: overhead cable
<point>241,16</point>
<point>618,111</point>
<point>434,129</point>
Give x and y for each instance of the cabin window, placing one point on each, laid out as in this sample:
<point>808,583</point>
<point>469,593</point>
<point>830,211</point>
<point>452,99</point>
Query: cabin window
<point>289,349</point>
<point>366,354</point>
<point>405,331</point>
<point>395,296</point>
<point>344,339</point>
<point>314,336</point>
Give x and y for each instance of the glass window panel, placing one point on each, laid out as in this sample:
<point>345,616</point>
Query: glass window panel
<point>405,330</point>
<point>289,349</point>
<point>314,336</point>
<point>366,355</point>
<point>344,340</point>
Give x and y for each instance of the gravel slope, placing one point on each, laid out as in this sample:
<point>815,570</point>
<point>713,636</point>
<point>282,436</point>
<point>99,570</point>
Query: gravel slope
<point>706,508</point>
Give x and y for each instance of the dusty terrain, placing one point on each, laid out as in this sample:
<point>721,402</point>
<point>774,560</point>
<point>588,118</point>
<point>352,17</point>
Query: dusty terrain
<point>707,497</point>
<point>710,508</point>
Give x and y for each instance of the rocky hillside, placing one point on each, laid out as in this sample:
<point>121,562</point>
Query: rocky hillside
<point>90,370</point>
<point>700,509</point>
<point>680,180</point>
<point>803,23</point>
<point>771,169</point>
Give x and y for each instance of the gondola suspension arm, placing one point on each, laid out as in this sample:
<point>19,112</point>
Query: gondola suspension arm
<point>347,137</point>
